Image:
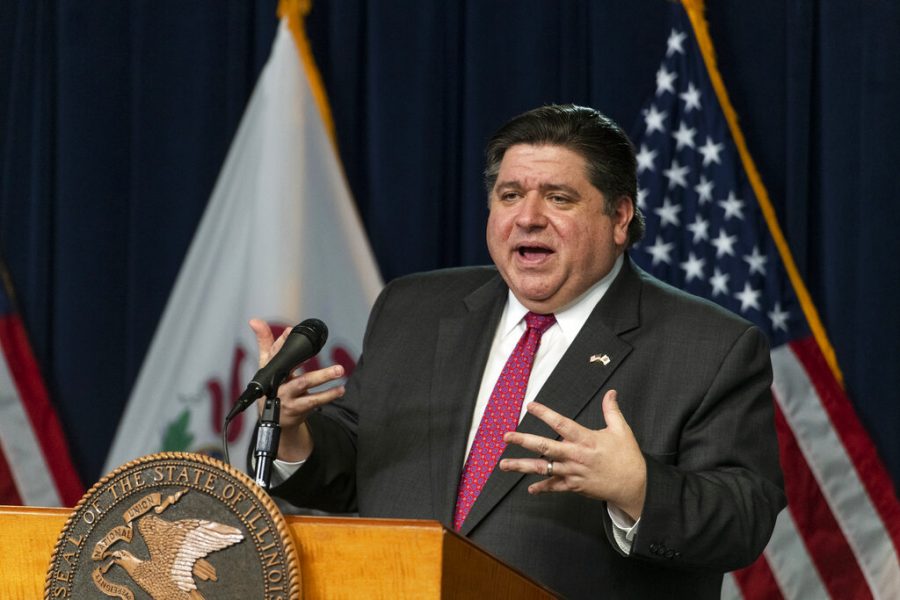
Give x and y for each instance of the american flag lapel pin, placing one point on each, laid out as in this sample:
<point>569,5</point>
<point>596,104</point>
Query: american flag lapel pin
<point>600,358</point>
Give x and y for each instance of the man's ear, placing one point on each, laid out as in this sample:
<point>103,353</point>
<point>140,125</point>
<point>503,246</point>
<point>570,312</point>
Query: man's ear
<point>622,215</point>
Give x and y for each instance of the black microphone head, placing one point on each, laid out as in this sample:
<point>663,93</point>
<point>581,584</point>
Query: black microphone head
<point>315,330</point>
<point>302,343</point>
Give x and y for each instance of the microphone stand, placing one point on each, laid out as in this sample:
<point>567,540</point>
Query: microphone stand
<point>267,436</point>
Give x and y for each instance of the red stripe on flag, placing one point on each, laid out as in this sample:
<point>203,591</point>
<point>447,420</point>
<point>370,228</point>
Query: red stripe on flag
<point>8,492</point>
<point>41,414</point>
<point>757,582</point>
<point>828,548</point>
<point>856,440</point>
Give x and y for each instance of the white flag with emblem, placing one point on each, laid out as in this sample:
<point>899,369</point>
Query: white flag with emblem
<point>280,240</point>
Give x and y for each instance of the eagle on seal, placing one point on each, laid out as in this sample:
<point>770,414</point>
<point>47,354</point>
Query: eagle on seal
<point>177,554</point>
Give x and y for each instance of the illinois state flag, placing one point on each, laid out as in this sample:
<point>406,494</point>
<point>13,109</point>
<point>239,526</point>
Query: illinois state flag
<point>280,240</point>
<point>35,466</point>
<point>711,230</point>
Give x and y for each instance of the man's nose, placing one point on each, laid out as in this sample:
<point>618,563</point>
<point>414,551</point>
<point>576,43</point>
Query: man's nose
<point>531,212</point>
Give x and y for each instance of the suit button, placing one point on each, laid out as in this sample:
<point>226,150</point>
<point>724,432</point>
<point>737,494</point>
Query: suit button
<point>677,554</point>
<point>670,554</point>
<point>654,548</point>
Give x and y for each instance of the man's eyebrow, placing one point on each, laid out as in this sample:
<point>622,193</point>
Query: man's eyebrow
<point>508,183</point>
<point>558,187</point>
<point>543,188</point>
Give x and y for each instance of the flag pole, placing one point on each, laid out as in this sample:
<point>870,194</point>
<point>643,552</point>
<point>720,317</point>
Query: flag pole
<point>295,11</point>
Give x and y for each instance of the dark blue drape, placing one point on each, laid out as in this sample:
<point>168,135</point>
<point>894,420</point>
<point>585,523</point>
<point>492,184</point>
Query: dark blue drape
<point>115,118</point>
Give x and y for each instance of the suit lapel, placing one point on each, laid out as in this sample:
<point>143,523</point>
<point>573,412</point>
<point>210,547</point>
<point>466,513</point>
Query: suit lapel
<point>575,381</point>
<point>464,341</point>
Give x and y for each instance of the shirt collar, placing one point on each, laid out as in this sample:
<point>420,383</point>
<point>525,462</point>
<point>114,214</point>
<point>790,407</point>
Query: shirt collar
<point>572,317</point>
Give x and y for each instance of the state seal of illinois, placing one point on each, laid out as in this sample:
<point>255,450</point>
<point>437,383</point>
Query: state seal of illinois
<point>175,526</point>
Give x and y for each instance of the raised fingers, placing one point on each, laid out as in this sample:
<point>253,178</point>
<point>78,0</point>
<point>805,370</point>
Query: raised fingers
<point>611,412</point>
<point>304,403</point>
<point>300,385</point>
<point>551,484</point>
<point>264,339</point>
<point>296,398</point>
<point>536,466</point>
<point>535,443</point>
<point>320,376</point>
<point>567,428</point>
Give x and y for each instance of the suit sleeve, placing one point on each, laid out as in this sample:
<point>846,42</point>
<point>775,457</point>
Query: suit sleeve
<point>715,506</point>
<point>327,480</point>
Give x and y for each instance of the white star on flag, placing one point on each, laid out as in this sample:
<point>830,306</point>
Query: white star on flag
<point>704,189</point>
<point>756,261</point>
<point>684,136</point>
<point>653,119</point>
<point>749,297</point>
<point>668,213</point>
<point>645,159</point>
<point>733,206</point>
<point>677,174</point>
<point>779,317</point>
<point>711,152</point>
<point>691,98</point>
<point>665,81</point>
<point>660,251</point>
<point>700,228</point>
<point>693,267</point>
<point>724,244</point>
<point>642,198</point>
<point>675,43</point>
<point>719,282</point>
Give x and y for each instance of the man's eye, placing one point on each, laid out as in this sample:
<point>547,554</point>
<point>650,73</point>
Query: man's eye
<point>557,199</point>
<point>509,196</point>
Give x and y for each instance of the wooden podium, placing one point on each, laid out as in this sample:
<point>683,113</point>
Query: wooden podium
<point>339,558</point>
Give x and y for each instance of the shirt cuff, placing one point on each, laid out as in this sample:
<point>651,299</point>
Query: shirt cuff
<point>282,470</point>
<point>623,526</point>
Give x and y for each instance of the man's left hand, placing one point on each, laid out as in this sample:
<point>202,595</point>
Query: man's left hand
<point>605,464</point>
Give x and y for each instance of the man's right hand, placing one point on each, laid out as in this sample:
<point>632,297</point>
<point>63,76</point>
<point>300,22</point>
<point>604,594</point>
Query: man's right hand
<point>297,402</point>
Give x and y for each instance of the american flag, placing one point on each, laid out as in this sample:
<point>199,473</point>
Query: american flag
<point>712,232</point>
<point>35,466</point>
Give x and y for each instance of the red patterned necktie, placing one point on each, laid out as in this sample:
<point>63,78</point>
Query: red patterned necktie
<point>501,415</point>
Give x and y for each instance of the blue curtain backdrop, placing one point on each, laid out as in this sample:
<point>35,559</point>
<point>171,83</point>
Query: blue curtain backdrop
<point>115,118</point>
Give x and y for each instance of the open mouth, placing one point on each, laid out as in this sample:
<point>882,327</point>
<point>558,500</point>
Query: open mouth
<point>533,252</point>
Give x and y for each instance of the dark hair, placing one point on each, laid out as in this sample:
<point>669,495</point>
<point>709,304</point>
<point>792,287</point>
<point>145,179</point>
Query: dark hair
<point>609,154</point>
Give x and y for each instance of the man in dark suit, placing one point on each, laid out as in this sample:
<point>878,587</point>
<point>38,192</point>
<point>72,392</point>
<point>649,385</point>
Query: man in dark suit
<point>645,463</point>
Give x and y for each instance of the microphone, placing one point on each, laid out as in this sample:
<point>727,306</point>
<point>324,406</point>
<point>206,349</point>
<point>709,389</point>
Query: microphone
<point>304,342</point>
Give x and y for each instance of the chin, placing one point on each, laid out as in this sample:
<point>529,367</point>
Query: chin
<point>531,297</point>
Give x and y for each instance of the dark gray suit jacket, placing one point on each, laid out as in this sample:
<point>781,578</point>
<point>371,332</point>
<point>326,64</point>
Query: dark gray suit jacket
<point>693,382</point>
